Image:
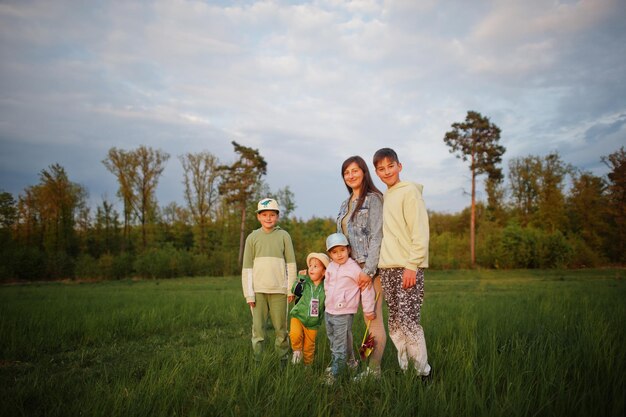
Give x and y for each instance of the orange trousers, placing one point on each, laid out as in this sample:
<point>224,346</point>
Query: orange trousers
<point>303,339</point>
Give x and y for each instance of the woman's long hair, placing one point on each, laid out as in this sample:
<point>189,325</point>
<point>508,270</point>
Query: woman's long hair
<point>366,187</point>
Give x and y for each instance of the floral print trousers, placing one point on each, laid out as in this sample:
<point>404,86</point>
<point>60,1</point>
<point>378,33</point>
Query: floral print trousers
<point>404,325</point>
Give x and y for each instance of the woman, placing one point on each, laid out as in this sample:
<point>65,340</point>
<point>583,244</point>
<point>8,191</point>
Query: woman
<point>360,218</point>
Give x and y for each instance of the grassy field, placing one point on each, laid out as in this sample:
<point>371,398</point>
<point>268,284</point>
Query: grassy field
<point>514,343</point>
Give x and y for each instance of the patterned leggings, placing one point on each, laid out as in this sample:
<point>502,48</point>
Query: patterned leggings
<point>404,325</point>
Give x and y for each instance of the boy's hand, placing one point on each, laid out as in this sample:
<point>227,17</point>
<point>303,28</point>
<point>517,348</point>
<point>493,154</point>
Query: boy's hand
<point>290,298</point>
<point>370,316</point>
<point>252,304</point>
<point>303,272</point>
<point>364,281</point>
<point>408,278</point>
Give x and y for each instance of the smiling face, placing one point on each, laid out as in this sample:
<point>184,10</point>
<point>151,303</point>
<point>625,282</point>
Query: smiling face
<point>353,177</point>
<point>388,171</point>
<point>268,219</point>
<point>339,254</point>
<point>316,270</point>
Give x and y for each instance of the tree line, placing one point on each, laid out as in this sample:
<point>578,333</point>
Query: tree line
<point>549,214</point>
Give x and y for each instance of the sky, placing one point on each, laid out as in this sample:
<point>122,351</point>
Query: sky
<point>308,84</point>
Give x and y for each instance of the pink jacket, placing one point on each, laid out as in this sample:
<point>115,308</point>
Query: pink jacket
<point>342,289</point>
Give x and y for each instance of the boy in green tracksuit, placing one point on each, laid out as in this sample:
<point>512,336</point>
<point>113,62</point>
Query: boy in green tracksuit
<point>267,276</point>
<point>308,313</point>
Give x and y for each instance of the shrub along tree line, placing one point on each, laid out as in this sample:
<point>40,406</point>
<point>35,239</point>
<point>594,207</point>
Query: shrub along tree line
<point>550,215</point>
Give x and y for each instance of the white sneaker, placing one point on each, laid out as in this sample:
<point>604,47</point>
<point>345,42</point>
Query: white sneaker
<point>329,379</point>
<point>296,358</point>
<point>366,374</point>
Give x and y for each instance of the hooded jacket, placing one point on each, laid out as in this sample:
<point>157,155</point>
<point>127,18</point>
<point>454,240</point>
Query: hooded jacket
<point>405,228</point>
<point>269,263</point>
<point>342,289</point>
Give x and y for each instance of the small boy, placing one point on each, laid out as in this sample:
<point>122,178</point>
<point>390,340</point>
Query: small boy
<point>342,301</point>
<point>403,257</point>
<point>308,313</point>
<point>267,275</point>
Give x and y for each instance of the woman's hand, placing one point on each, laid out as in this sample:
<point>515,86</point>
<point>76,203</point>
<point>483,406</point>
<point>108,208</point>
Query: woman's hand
<point>365,281</point>
<point>370,316</point>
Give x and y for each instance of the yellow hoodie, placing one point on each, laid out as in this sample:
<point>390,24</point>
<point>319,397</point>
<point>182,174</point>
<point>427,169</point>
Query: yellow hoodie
<point>405,228</point>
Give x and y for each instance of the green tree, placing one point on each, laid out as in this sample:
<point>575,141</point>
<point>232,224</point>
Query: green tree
<point>150,166</point>
<point>524,182</point>
<point>175,221</point>
<point>495,197</point>
<point>286,199</point>
<point>616,162</point>
<point>200,177</point>
<point>476,139</point>
<point>240,182</point>
<point>586,209</point>
<point>107,230</point>
<point>60,201</point>
<point>47,216</point>
<point>537,190</point>
<point>8,210</point>
<point>551,214</point>
<point>138,174</point>
<point>122,164</point>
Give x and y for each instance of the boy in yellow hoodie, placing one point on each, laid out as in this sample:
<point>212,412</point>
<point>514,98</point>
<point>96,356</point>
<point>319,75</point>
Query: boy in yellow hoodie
<point>403,257</point>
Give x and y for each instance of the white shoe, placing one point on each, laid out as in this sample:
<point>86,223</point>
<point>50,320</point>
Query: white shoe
<point>329,379</point>
<point>296,358</point>
<point>367,374</point>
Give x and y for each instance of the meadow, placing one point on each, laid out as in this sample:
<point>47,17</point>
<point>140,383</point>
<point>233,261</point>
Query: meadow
<point>501,343</point>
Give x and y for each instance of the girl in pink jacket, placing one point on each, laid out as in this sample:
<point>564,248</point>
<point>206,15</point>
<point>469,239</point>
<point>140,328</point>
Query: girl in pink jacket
<point>342,301</point>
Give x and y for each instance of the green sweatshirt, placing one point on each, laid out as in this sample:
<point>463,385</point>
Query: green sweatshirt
<point>269,263</point>
<point>301,311</point>
<point>405,228</point>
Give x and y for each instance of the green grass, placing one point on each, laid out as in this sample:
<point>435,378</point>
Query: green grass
<point>502,343</point>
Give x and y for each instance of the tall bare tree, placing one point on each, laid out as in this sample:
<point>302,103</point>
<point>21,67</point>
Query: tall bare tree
<point>150,166</point>
<point>201,177</point>
<point>239,183</point>
<point>138,174</point>
<point>122,164</point>
<point>476,139</point>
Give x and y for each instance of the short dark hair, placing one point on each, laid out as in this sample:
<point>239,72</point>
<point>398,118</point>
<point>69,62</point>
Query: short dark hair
<point>383,153</point>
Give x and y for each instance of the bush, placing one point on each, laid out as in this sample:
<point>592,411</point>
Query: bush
<point>29,263</point>
<point>448,251</point>
<point>583,256</point>
<point>553,250</point>
<point>518,247</point>
<point>86,267</point>
<point>164,262</point>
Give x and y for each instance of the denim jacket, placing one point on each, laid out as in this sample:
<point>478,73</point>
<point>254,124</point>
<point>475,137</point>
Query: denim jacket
<point>365,232</point>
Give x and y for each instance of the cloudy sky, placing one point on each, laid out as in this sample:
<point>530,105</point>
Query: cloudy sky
<point>307,83</point>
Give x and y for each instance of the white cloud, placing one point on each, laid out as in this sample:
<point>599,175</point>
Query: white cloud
<point>312,83</point>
